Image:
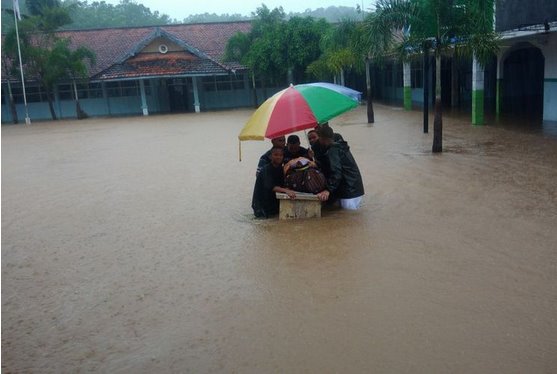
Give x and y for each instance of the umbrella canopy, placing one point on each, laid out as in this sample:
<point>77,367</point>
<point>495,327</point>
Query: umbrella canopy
<point>356,95</point>
<point>297,108</point>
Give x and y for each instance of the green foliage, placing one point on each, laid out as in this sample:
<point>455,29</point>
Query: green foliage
<point>342,50</point>
<point>300,42</point>
<point>276,46</point>
<point>332,14</point>
<point>41,7</point>
<point>403,27</point>
<point>213,17</point>
<point>47,58</point>
<point>97,14</point>
<point>237,47</point>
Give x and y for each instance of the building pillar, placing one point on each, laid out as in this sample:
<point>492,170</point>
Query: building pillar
<point>454,82</point>
<point>499,86</point>
<point>105,96</point>
<point>407,90</point>
<point>477,93</point>
<point>550,81</point>
<point>144,106</point>
<point>57,101</point>
<point>195,95</point>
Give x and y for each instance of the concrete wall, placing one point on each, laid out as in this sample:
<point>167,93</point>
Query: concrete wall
<point>157,101</point>
<point>549,50</point>
<point>512,14</point>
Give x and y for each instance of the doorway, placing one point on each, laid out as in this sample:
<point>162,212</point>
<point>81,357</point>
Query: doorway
<point>522,94</point>
<point>179,94</point>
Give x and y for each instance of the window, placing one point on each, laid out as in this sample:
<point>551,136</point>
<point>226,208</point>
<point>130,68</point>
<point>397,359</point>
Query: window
<point>237,81</point>
<point>95,90</point>
<point>122,88</point>
<point>417,74</point>
<point>65,92</point>
<point>388,75</point>
<point>84,91</point>
<point>35,94</point>
<point>223,82</point>
<point>399,76</point>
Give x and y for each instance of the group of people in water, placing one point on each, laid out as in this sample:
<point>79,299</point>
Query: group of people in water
<point>326,169</point>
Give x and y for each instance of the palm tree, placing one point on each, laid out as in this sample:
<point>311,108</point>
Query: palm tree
<point>48,58</point>
<point>74,67</point>
<point>345,47</point>
<point>406,27</point>
<point>340,51</point>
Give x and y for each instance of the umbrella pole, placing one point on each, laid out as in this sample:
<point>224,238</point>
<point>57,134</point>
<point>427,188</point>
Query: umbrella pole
<point>240,150</point>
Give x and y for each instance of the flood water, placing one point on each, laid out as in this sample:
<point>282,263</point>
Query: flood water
<point>128,246</point>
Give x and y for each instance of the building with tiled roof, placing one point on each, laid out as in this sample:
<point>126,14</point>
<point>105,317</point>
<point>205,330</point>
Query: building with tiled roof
<point>154,69</point>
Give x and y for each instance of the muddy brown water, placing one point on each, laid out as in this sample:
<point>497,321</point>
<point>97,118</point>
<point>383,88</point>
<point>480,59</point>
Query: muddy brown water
<point>128,246</point>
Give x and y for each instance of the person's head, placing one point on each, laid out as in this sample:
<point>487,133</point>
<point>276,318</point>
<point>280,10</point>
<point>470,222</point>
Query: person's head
<point>313,137</point>
<point>279,141</point>
<point>293,144</point>
<point>277,155</point>
<point>325,134</point>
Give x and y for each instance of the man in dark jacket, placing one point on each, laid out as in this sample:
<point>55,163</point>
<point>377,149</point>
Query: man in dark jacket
<point>266,157</point>
<point>269,181</point>
<point>313,138</point>
<point>294,149</point>
<point>344,181</point>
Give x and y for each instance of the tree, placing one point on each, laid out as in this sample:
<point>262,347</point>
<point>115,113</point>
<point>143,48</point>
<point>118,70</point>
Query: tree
<point>276,49</point>
<point>345,47</point>
<point>341,50</point>
<point>7,71</point>
<point>47,58</point>
<point>71,66</point>
<point>300,43</point>
<point>406,27</point>
<point>100,14</point>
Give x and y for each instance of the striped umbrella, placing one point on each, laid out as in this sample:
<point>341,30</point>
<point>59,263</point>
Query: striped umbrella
<point>297,108</point>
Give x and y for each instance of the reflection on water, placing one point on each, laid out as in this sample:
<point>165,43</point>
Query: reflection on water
<point>523,123</point>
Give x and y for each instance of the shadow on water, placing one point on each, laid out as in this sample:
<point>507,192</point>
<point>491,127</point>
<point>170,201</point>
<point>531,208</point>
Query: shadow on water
<point>522,123</point>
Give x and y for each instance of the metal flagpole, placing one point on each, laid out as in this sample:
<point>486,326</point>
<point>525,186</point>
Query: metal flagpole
<point>16,16</point>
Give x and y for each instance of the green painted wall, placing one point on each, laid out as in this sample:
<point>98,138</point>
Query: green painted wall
<point>478,107</point>
<point>408,98</point>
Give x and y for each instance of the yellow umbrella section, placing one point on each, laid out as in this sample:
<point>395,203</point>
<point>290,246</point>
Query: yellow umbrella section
<point>256,126</point>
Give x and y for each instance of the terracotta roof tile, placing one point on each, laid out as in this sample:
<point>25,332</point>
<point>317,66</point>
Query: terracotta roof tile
<point>155,64</point>
<point>111,46</point>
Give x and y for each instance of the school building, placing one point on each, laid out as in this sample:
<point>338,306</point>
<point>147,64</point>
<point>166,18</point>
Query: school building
<point>180,68</point>
<point>520,82</point>
<point>144,70</point>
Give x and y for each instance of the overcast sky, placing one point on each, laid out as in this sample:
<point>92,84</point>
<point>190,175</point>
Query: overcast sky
<point>180,9</point>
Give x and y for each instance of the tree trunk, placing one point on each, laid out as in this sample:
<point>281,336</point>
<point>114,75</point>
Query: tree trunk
<point>50,104</point>
<point>438,119</point>
<point>264,86</point>
<point>426,89</point>
<point>290,76</point>
<point>454,83</point>
<point>254,90</point>
<point>370,114</point>
<point>11,102</point>
<point>342,77</point>
<point>80,113</point>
